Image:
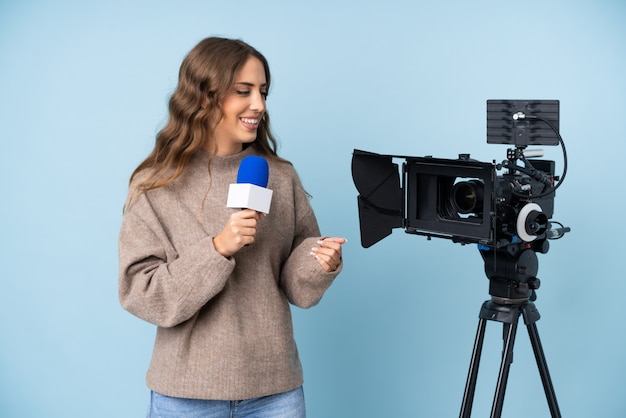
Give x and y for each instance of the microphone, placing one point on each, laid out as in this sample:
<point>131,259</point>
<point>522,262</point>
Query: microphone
<point>250,191</point>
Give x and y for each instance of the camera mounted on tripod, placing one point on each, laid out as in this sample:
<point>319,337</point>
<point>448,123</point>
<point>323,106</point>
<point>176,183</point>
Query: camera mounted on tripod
<point>466,201</point>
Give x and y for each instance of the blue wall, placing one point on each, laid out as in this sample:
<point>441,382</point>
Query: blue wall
<point>83,88</point>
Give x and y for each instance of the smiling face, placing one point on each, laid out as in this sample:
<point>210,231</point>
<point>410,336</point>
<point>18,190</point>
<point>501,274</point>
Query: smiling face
<point>242,109</point>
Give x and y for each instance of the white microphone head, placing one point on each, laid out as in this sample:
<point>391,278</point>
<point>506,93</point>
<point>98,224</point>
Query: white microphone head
<point>249,196</point>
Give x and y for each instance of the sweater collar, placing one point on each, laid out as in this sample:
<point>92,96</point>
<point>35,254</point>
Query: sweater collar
<point>225,161</point>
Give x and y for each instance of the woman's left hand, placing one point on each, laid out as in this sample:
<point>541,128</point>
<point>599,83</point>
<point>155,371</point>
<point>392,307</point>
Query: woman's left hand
<point>328,252</point>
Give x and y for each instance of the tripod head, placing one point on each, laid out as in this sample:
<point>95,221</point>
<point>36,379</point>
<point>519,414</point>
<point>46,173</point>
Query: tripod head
<point>512,269</point>
<point>512,273</point>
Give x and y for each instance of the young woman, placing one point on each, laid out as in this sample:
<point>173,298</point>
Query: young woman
<point>216,281</point>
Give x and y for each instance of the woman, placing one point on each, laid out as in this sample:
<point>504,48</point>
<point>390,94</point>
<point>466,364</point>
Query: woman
<point>216,281</point>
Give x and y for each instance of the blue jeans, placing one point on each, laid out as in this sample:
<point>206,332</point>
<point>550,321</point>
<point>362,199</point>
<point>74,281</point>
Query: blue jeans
<point>283,405</point>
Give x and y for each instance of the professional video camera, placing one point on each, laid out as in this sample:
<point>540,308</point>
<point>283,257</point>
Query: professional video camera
<point>466,201</point>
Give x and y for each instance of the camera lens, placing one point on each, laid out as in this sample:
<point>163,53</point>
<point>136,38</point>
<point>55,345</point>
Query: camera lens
<point>467,196</point>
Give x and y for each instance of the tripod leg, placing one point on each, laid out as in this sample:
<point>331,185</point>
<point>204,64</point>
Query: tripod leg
<point>507,358</point>
<point>542,364</point>
<point>470,385</point>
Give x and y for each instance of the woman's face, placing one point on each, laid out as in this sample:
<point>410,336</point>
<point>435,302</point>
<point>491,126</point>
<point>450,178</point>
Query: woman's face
<point>242,109</point>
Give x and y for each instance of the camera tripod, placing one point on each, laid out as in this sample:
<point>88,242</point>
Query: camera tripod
<point>510,299</point>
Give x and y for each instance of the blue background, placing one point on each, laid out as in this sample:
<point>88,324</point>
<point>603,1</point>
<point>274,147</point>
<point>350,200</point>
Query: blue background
<point>83,89</point>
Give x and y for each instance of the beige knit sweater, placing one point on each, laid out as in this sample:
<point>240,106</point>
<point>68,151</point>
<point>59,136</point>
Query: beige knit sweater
<point>224,327</point>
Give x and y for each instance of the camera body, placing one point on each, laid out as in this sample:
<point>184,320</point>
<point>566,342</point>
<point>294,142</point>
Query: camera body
<point>466,201</point>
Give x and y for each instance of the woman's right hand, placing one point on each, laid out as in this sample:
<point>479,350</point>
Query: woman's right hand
<point>240,230</point>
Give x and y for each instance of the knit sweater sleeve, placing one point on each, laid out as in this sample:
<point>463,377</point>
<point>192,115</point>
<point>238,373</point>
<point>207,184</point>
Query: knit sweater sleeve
<point>303,280</point>
<point>156,282</point>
